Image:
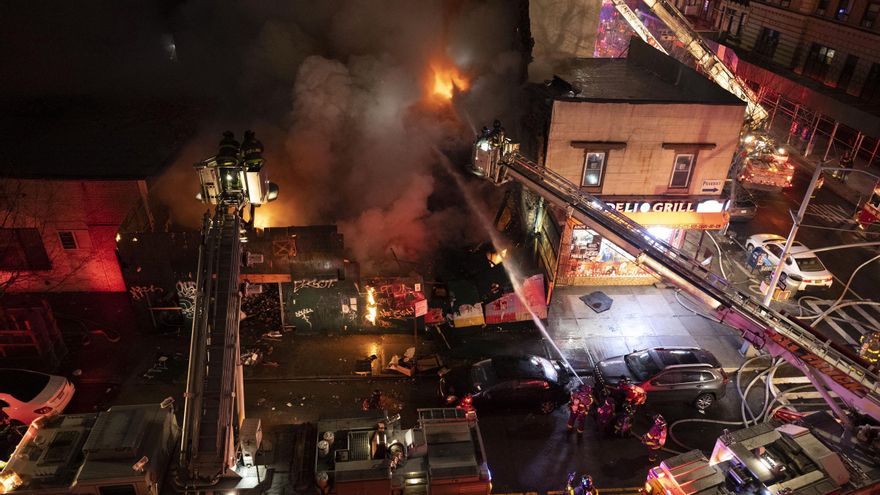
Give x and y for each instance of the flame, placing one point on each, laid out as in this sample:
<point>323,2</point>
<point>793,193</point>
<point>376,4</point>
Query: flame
<point>497,258</point>
<point>372,310</point>
<point>447,79</point>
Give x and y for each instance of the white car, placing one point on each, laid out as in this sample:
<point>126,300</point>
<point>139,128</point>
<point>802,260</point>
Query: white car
<point>27,395</point>
<point>805,269</point>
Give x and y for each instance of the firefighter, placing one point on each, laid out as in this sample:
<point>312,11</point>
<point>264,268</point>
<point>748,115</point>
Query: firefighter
<point>655,438</point>
<point>870,348</point>
<point>587,487</point>
<point>227,154</point>
<point>581,401</point>
<point>623,420</point>
<point>604,416</point>
<point>846,162</point>
<point>630,393</point>
<point>252,151</point>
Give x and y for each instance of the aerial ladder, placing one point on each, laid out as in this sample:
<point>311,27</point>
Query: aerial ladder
<point>827,365</point>
<point>705,58</point>
<point>215,430</point>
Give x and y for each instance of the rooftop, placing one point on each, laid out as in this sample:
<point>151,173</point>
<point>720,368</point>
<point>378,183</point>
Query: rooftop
<point>645,76</point>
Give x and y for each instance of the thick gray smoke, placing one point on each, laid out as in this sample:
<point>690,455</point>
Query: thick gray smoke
<point>338,93</point>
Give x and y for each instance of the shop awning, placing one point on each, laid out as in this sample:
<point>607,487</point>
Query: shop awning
<point>681,219</point>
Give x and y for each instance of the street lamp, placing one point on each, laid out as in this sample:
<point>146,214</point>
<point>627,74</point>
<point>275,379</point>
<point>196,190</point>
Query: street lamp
<point>777,272</point>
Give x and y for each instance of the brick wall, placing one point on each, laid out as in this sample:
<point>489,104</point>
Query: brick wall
<point>91,210</point>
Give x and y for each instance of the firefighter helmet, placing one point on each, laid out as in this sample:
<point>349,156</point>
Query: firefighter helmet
<point>659,421</point>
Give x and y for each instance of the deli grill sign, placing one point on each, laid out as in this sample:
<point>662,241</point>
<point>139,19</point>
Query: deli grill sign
<point>667,206</point>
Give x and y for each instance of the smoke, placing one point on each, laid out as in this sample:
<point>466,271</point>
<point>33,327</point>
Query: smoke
<point>338,91</point>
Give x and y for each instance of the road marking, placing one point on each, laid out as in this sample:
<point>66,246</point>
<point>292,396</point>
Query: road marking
<point>833,324</point>
<point>829,213</point>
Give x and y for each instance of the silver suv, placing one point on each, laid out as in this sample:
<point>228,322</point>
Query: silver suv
<point>680,374</point>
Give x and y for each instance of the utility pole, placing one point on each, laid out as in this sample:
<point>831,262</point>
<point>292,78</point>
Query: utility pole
<point>777,272</point>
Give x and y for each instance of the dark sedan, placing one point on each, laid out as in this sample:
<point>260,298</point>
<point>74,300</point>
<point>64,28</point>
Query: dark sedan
<point>509,382</point>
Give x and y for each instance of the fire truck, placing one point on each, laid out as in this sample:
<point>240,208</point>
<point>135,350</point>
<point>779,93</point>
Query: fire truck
<point>814,457</point>
<point>763,166</point>
<point>870,210</point>
<point>442,455</point>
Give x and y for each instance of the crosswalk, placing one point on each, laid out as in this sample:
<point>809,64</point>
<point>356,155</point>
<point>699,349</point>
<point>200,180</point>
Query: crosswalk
<point>833,214</point>
<point>850,322</point>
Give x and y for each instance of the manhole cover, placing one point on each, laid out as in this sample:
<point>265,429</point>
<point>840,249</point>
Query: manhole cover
<point>597,301</point>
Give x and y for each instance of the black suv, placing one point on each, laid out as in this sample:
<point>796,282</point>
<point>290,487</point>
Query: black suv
<point>680,374</point>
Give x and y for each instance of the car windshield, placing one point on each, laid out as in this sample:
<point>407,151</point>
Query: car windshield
<point>524,367</point>
<point>641,365</point>
<point>811,264</point>
<point>21,384</point>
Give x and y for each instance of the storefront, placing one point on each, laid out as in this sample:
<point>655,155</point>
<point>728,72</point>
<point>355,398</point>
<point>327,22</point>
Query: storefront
<point>587,258</point>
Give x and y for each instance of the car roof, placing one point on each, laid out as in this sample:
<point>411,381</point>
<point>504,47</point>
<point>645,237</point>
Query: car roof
<point>511,367</point>
<point>684,356</point>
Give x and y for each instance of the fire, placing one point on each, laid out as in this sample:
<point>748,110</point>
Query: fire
<point>447,79</point>
<point>372,309</point>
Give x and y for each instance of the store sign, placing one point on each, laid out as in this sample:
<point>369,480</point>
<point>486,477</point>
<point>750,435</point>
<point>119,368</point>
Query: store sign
<point>669,206</point>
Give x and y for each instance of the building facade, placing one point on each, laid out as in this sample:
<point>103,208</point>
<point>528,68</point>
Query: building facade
<point>647,135</point>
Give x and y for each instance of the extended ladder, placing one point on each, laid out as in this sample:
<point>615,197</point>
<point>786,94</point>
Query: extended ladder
<point>832,366</point>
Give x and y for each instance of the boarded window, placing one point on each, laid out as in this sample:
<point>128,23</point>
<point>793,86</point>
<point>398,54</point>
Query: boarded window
<point>22,250</point>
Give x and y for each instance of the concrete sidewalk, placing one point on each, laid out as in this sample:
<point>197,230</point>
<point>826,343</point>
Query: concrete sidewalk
<point>640,317</point>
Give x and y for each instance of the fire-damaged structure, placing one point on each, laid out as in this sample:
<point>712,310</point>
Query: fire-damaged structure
<point>299,274</point>
<point>444,454</point>
<point>814,458</point>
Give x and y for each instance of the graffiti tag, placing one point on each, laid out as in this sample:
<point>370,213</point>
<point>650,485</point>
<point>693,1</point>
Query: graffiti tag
<point>186,293</point>
<point>304,314</point>
<point>141,292</point>
<point>313,283</point>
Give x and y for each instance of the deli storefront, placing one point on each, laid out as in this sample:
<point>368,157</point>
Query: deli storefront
<point>586,258</point>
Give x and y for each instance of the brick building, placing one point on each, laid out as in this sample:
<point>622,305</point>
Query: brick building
<point>649,136</point>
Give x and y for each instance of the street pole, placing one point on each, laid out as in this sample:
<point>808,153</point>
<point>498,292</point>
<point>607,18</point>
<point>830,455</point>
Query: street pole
<point>777,272</point>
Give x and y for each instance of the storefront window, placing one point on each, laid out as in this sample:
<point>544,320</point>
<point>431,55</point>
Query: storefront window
<point>594,256</point>
<point>594,168</point>
<point>681,170</point>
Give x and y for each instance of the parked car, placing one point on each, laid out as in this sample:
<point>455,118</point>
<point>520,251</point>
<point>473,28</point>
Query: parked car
<point>27,395</point>
<point>679,374</point>
<point>743,207</point>
<point>803,269</point>
<point>509,382</point>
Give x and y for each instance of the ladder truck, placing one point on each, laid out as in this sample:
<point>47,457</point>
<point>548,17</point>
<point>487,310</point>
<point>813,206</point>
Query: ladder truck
<point>828,366</point>
<point>217,441</point>
<point>705,58</point>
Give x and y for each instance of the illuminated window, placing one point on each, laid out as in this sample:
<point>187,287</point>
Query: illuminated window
<point>68,240</point>
<point>681,170</point>
<point>818,62</point>
<point>594,168</point>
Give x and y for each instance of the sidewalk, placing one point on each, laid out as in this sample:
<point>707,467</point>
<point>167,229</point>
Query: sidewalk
<point>640,317</point>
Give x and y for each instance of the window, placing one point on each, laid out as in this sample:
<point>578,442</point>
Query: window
<point>767,41</point>
<point>871,88</point>
<point>594,168</point>
<point>774,250</point>
<point>681,170</point>
<point>669,378</point>
<point>22,250</point>
<point>821,7</point>
<point>692,377</point>
<point>870,15</point>
<point>68,240</point>
<point>818,61</point>
<point>842,12</point>
<point>847,72</point>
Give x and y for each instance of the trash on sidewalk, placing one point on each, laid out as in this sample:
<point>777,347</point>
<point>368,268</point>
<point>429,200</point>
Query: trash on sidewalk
<point>597,301</point>
<point>365,366</point>
<point>409,365</point>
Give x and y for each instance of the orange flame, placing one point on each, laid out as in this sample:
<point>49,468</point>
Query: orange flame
<point>446,80</point>
<point>372,309</point>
